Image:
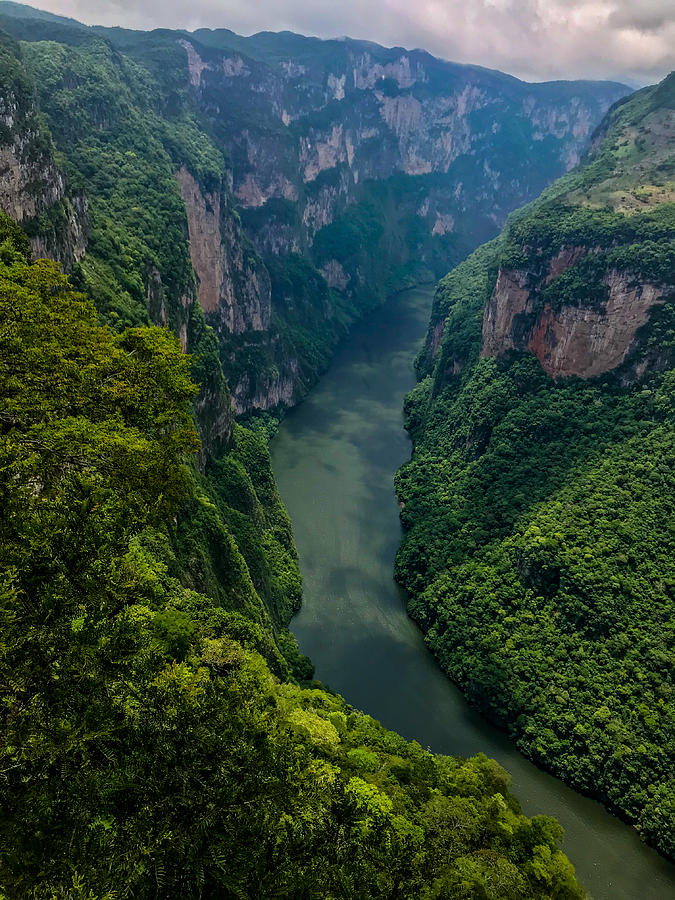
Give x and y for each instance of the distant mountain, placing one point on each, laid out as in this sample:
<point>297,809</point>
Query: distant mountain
<point>315,176</point>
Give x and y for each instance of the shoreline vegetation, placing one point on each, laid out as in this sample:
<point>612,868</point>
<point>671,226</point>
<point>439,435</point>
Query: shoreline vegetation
<point>539,516</point>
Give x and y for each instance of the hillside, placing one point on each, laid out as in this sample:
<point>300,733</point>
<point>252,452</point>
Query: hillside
<point>302,180</point>
<point>161,732</point>
<point>538,504</point>
<point>156,739</point>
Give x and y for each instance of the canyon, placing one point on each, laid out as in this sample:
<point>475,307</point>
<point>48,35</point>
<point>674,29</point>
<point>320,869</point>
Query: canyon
<point>272,202</point>
<point>315,177</point>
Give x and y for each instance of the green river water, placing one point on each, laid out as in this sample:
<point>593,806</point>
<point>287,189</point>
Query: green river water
<point>334,459</point>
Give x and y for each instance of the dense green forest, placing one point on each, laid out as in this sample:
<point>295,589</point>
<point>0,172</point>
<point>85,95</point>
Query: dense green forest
<point>540,512</point>
<point>162,734</point>
<point>157,739</point>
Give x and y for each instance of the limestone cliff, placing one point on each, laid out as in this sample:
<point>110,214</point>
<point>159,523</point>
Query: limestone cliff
<point>312,132</point>
<point>583,339</point>
<point>235,295</point>
<point>32,187</point>
<point>380,167</point>
<point>233,290</point>
<point>587,277</point>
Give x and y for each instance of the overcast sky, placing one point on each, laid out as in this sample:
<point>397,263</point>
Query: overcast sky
<point>534,39</point>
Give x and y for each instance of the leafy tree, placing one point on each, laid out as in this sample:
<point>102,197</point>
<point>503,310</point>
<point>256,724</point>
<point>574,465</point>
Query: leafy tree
<point>148,750</point>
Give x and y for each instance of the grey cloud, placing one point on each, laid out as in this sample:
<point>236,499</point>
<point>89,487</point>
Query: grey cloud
<point>648,15</point>
<point>533,39</point>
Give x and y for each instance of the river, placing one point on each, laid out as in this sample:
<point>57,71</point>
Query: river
<point>334,459</point>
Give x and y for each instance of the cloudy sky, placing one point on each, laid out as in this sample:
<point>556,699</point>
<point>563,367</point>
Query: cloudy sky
<point>534,39</point>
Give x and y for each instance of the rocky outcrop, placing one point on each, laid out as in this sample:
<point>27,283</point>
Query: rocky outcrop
<point>154,298</point>
<point>27,186</point>
<point>32,188</point>
<point>335,275</point>
<point>269,393</point>
<point>512,298</point>
<point>206,248</point>
<point>234,293</point>
<point>233,290</point>
<point>64,240</point>
<point>583,340</point>
<point>195,63</point>
<point>215,417</point>
<point>588,342</point>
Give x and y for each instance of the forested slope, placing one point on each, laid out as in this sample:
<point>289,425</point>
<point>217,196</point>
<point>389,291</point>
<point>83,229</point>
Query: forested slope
<point>540,501</point>
<point>156,742</point>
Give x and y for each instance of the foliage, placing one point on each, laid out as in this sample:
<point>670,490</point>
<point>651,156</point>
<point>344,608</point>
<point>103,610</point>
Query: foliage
<point>148,751</point>
<point>155,739</point>
<point>457,311</point>
<point>539,516</point>
<point>12,239</point>
<point>358,227</point>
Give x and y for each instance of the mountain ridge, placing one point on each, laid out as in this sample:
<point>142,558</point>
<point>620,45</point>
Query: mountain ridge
<point>20,10</point>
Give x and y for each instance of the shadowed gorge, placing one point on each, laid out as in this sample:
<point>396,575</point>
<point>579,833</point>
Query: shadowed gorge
<point>217,258</point>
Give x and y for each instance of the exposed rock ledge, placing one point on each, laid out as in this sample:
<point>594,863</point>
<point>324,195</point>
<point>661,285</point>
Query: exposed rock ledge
<point>233,291</point>
<point>574,340</point>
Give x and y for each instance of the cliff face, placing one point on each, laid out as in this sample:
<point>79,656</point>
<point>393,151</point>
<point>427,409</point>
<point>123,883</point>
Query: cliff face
<point>32,188</point>
<point>126,273</point>
<point>382,167</point>
<point>309,122</point>
<point>595,260</point>
<point>233,291</point>
<point>581,339</point>
<point>235,295</point>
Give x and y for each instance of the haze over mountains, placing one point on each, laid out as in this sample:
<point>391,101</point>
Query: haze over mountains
<point>536,41</point>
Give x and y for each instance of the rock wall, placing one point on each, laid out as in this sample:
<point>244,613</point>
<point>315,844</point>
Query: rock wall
<point>588,342</point>
<point>581,340</point>
<point>32,188</point>
<point>233,292</point>
<point>364,112</point>
<point>311,129</point>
